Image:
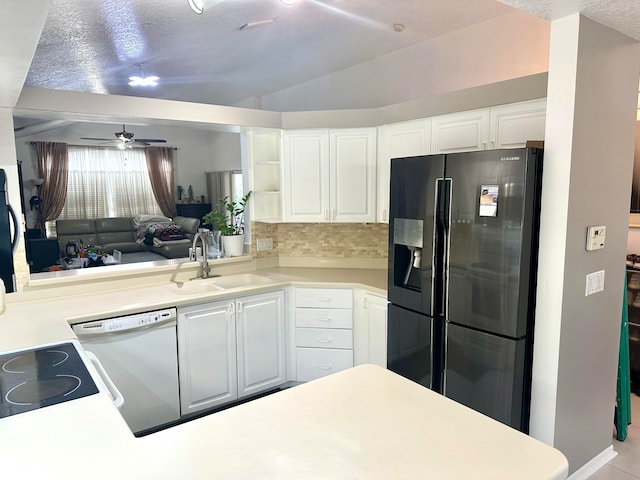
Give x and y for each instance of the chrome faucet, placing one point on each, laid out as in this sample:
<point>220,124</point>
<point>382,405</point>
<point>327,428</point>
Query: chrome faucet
<point>206,269</point>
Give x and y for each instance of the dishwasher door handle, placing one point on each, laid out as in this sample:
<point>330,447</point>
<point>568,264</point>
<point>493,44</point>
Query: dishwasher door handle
<point>116,396</point>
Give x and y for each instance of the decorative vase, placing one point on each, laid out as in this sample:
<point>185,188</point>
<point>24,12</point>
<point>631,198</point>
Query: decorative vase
<point>233,245</point>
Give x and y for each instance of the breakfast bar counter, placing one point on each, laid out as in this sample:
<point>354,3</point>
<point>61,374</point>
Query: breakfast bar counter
<point>361,423</point>
<point>366,422</point>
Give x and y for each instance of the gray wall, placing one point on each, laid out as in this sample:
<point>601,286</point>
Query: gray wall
<point>591,101</point>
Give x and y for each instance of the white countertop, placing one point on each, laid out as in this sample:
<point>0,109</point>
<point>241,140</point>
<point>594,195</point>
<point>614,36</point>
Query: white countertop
<point>365,422</point>
<point>30,320</point>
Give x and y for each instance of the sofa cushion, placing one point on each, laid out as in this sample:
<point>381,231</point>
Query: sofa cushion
<point>189,225</point>
<point>115,224</point>
<point>83,226</point>
<point>74,231</point>
<point>124,247</point>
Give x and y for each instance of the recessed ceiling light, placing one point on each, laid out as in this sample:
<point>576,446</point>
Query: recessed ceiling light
<point>288,2</point>
<point>398,27</point>
<point>197,6</point>
<point>150,81</point>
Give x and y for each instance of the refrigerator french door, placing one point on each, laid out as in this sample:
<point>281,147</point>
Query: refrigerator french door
<point>9,235</point>
<point>480,247</point>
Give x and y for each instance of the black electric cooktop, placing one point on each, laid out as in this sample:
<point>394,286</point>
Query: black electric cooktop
<point>41,377</point>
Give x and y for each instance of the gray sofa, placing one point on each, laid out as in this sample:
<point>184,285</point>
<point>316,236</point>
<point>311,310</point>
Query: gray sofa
<point>121,233</point>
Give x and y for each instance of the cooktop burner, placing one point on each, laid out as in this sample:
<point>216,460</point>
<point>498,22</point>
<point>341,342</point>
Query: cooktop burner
<point>41,377</point>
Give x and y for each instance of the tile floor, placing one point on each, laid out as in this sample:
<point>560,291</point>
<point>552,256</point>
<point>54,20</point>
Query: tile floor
<point>626,465</point>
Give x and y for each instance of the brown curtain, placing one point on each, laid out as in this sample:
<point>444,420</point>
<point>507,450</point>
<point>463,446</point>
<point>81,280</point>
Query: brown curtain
<point>53,168</point>
<point>160,167</point>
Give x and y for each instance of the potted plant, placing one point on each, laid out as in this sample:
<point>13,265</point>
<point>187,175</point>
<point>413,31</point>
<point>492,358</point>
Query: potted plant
<point>229,220</point>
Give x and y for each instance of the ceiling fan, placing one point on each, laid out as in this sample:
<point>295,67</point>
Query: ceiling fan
<point>126,139</point>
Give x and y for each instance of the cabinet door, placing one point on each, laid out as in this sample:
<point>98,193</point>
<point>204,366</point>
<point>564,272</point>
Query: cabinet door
<point>370,329</point>
<point>405,139</point>
<point>206,356</point>
<point>353,175</point>
<point>460,131</point>
<point>306,174</point>
<point>260,342</point>
<point>512,125</point>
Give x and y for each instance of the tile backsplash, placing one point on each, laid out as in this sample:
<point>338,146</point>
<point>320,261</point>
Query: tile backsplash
<point>337,240</point>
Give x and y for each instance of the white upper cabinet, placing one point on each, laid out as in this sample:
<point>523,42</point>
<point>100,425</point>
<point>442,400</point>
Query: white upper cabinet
<point>306,175</point>
<point>353,175</point>
<point>460,131</point>
<point>329,175</point>
<point>404,139</point>
<point>513,124</point>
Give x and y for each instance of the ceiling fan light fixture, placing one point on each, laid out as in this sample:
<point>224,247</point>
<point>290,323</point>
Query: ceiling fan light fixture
<point>150,81</point>
<point>197,6</point>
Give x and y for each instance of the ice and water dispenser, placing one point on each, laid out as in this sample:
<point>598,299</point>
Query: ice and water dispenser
<point>407,245</point>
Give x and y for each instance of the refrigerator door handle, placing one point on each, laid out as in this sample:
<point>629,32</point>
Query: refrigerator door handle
<point>441,245</point>
<point>16,229</point>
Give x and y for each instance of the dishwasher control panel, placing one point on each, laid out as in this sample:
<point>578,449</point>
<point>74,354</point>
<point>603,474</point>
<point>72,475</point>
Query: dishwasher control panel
<point>127,322</point>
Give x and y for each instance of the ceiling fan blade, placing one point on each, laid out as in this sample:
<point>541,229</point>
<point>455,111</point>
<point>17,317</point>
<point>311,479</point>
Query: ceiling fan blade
<point>98,139</point>
<point>150,140</point>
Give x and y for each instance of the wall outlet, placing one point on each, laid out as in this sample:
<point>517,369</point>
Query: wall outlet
<point>263,244</point>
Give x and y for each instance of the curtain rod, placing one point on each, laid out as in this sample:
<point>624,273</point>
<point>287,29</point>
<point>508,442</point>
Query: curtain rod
<point>98,146</point>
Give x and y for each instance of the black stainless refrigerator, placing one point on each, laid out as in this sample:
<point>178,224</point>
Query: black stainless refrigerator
<point>9,235</point>
<point>463,241</point>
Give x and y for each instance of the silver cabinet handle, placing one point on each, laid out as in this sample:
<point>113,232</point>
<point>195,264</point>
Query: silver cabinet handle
<point>325,367</point>
<point>326,340</point>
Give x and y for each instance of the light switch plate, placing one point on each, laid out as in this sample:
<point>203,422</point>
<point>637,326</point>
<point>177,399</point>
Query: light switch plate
<point>595,283</point>
<point>595,237</point>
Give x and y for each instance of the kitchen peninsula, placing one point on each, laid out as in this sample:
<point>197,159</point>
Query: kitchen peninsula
<point>364,422</point>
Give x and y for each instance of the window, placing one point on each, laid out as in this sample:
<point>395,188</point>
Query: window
<point>108,182</point>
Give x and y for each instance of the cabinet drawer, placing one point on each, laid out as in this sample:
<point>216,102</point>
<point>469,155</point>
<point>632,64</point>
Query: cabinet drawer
<point>324,297</point>
<point>314,363</point>
<point>324,338</point>
<point>324,318</point>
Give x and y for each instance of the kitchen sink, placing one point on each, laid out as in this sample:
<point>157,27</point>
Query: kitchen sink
<point>193,287</point>
<point>240,280</point>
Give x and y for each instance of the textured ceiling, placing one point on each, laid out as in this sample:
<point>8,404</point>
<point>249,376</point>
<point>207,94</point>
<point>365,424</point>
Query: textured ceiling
<point>621,15</point>
<point>94,45</point>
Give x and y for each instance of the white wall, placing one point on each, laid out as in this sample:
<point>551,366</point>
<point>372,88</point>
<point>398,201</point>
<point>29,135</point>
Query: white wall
<point>633,241</point>
<point>509,46</point>
<point>225,152</point>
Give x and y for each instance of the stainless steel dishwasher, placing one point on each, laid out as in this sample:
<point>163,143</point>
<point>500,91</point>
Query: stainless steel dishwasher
<point>140,354</point>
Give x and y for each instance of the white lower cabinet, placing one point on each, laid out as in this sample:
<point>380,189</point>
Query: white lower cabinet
<point>323,331</point>
<point>318,362</point>
<point>230,349</point>
<point>370,329</point>
<point>260,342</point>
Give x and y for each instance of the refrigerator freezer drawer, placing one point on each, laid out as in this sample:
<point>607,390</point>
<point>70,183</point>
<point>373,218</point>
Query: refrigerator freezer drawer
<point>411,349</point>
<point>324,338</point>
<point>486,372</point>
<point>314,363</point>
